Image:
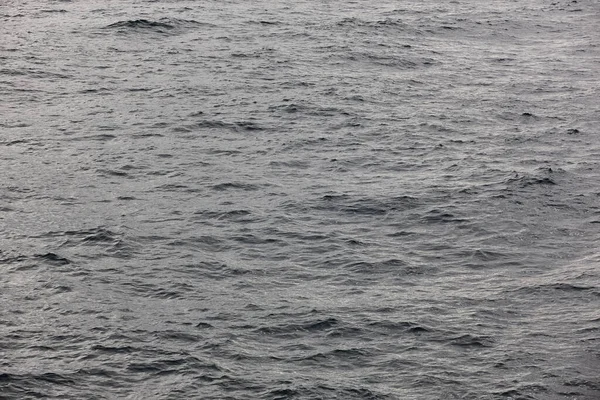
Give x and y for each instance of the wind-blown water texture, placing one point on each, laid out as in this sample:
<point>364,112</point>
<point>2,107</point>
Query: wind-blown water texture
<point>299,200</point>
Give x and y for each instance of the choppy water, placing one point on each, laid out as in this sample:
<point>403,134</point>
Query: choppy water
<point>300,199</point>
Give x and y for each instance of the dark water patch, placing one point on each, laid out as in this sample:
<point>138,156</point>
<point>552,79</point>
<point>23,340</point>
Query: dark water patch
<point>27,267</point>
<point>343,355</point>
<point>524,180</point>
<point>399,61</point>
<point>288,108</point>
<point>296,164</point>
<point>219,271</point>
<point>4,377</point>
<point>391,266</point>
<point>255,54</point>
<point>346,332</point>
<point>99,234</point>
<point>284,390</point>
<point>57,288</point>
<point>173,365</point>
<point>486,255</point>
<point>160,125</point>
<point>53,258</point>
<point>572,287</point>
<point>181,129</point>
<point>294,329</point>
<point>114,349</point>
<point>559,287</point>
<point>150,290</point>
<point>352,242</point>
<point>54,378</point>
<point>437,216</point>
<point>102,137</point>
<point>388,23</point>
<point>221,152</point>
<point>388,327</point>
<point>263,22</point>
<point>33,385</point>
<point>248,126</point>
<point>211,242</point>
<point>255,239</point>
<point>97,91</point>
<point>511,394</point>
<point>236,186</point>
<point>18,141</point>
<point>97,373</point>
<point>18,15</point>
<point>34,73</point>
<point>163,25</point>
<point>112,127</point>
<point>178,336</point>
<point>239,126</point>
<point>54,11</point>
<point>468,340</point>
<point>282,394</point>
<point>196,114</point>
<point>527,116</point>
<point>212,124</point>
<point>109,242</point>
<point>586,384</point>
<point>365,205</point>
<point>113,173</point>
<point>301,236</point>
<point>450,27</point>
<point>243,216</point>
<point>550,170</point>
<point>202,242</point>
<point>139,89</point>
<point>176,187</point>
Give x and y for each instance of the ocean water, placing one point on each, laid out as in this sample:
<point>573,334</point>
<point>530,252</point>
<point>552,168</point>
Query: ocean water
<point>299,199</point>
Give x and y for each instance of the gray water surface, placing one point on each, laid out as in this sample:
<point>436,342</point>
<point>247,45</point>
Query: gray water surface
<point>299,199</point>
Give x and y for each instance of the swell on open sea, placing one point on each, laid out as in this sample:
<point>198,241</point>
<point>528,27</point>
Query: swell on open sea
<point>300,199</point>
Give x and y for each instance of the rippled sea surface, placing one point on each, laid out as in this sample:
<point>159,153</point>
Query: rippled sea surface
<point>300,199</point>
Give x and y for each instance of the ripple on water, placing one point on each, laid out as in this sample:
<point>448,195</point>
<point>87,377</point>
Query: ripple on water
<point>320,200</point>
